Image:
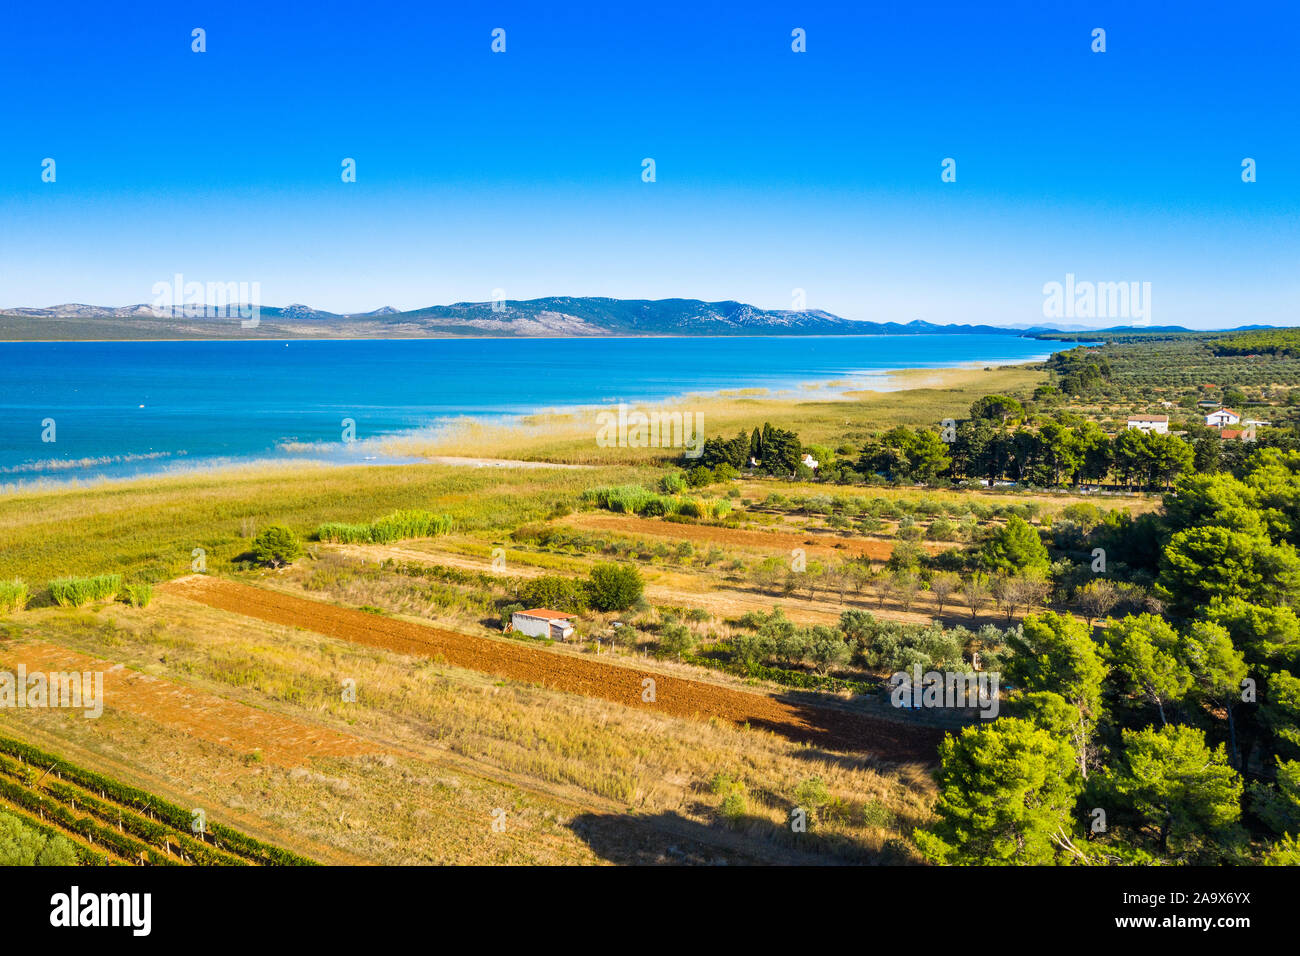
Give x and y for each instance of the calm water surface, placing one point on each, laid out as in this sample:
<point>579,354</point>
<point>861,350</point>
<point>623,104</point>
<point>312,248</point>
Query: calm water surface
<point>122,408</point>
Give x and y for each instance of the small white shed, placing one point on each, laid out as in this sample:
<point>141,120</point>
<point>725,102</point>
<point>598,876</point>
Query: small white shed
<point>539,622</point>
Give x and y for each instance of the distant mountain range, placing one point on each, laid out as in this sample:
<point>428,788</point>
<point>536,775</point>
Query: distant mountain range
<point>553,316</point>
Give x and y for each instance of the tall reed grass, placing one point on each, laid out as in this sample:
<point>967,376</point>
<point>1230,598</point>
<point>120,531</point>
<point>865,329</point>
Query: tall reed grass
<point>139,595</point>
<point>635,499</point>
<point>13,595</point>
<point>398,526</point>
<point>75,592</point>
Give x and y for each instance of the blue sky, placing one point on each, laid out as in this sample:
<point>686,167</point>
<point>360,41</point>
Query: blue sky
<point>775,170</point>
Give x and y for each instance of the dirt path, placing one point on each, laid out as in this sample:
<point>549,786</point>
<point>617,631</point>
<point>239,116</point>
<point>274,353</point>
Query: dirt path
<point>826,726</point>
<point>283,741</point>
<point>773,542</point>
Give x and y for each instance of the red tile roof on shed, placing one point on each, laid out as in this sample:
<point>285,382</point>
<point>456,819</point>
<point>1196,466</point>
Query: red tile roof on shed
<point>544,613</point>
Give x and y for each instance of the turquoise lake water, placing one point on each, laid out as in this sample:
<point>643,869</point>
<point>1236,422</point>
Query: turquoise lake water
<point>123,408</point>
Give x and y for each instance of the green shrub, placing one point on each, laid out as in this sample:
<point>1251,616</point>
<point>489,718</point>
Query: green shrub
<point>76,592</point>
<point>674,641</point>
<point>736,803</point>
<point>555,592</point>
<point>811,795</point>
<point>614,587</point>
<point>13,595</point>
<point>721,784</point>
<point>690,508</point>
<point>276,546</point>
<point>941,529</point>
<point>139,595</point>
<point>672,483</point>
<point>699,476</point>
<point>876,814</point>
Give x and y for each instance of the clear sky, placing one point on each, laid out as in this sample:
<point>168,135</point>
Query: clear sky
<point>775,170</point>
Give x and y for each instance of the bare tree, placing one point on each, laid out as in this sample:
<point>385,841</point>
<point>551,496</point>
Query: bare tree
<point>1029,591</point>
<point>942,586</point>
<point>1005,598</point>
<point>840,577</point>
<point>861,575</point>
<point>813,578</point>
<point>905,585</point>
<point>975,593</point>
<point>1096,599</point>
<point>881,586</point>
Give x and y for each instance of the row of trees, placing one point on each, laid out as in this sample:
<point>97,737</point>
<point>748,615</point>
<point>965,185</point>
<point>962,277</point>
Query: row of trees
<point>875,644</point>
<point>1011,593</point>
<point>1048,455</point>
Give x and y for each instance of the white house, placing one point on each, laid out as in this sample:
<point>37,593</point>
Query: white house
<point>1224,416</point>
<point>540,622</point>
<point>1150,423</point>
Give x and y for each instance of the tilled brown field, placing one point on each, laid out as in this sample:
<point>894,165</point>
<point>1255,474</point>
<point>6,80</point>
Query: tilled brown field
<point>825,726</point>
<point>281,740</point>
<point>776,542</point>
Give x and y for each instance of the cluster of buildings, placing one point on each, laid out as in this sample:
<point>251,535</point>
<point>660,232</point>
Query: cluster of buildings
<point>1219,418</point>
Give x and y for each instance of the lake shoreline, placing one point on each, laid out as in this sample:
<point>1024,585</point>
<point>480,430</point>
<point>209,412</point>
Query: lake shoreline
<point>459,443</point>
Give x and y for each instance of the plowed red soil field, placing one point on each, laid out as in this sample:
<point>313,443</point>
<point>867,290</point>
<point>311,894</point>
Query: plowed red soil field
<point>777,542</point>
<point>825,726</point>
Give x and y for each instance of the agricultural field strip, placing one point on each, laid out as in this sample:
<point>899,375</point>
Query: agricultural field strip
<point>566,795</point>
<point>772,542</point>
<point>206,716</point>
<point>622,684</point>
